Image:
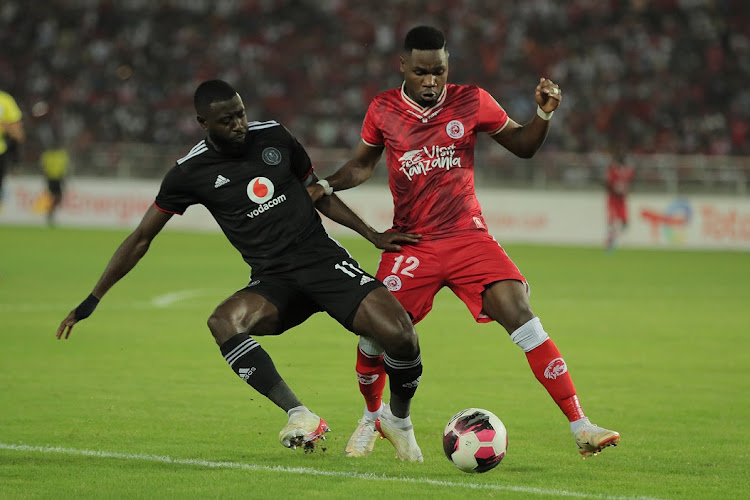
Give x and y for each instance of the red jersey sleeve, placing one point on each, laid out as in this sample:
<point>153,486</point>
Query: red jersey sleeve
<point>491,117</point>
<point>371,133</point>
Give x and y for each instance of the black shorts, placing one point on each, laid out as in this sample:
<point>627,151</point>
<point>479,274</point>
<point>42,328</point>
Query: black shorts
<point>334,284</point>
<point>3,162</point>
<point>54,186</point>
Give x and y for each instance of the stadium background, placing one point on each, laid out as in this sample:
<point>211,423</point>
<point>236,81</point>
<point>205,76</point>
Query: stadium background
<point>665,79</point>
<point>139,404</point>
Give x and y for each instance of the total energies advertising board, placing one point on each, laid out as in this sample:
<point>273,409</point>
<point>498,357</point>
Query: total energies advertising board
<point>526,216</point>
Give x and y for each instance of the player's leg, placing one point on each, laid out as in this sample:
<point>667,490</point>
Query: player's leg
<point>371,378</point>
<point>371,375</point>
<point>381,318</point>
<point>406,274</point>
<point>3,161</point>
<point>364,306</point>
<point>54,186</point>
<point>409,276</point>
<point>616,221</point>
<point>507,303</point>
<point>611,236</point>
<point>233,324</point>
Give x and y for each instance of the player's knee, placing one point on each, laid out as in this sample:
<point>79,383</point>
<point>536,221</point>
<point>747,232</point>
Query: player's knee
<point>216,326</point>
<point>220,327</point>
<point>225,322</point>
<point>232,317</point>
<point>402,340</point>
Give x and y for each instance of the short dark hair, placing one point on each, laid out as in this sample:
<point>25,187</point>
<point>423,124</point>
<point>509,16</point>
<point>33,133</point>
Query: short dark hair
<point>424,38</point>
<point>212,91</point>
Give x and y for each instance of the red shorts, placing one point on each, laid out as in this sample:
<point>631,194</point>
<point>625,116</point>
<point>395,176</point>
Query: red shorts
<point>466,264</point>
<point>616,210</point>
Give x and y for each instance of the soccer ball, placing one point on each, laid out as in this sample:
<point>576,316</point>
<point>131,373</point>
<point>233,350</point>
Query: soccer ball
<point>475,440</point>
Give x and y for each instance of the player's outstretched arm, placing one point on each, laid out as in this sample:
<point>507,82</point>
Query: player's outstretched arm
<point>335,209</point>
<point>124,259</point>
<point>525,140</point>
<point>354,172</point>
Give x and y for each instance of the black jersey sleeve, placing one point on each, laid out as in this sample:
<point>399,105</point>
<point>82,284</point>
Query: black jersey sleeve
<point>173,196</point>
<point>301,163</point>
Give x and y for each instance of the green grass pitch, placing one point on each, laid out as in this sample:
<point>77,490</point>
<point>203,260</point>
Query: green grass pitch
<point>139,402</point>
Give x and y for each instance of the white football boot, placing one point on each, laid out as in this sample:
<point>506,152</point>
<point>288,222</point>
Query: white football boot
<point>591,439</point>
<point>363,439</point>
<point>400,432</point>
<point>303,429</point>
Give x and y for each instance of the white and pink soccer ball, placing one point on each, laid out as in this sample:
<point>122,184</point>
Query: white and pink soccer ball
<point>475,440</point>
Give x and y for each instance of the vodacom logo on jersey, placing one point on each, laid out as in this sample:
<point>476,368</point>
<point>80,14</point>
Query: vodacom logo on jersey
<point>260,190</point>
<point>422,161</point>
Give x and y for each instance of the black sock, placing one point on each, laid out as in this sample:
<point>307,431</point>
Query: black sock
<point>403,379</point>
<point>253,364</point>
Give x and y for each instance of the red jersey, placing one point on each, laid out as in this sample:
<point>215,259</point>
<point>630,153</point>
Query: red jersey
<point>430,156</point>
<point>618,180</point>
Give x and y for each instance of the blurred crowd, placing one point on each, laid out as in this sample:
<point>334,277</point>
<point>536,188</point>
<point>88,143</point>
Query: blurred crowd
<point>664,76</point>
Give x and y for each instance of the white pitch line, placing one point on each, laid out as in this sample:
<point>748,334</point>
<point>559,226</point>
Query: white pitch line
<point>159,302</point>
<point>168,299</point>
<point>311,472</point>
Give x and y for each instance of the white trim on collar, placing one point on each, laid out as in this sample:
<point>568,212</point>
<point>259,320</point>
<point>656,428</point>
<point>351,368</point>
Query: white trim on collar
<point>423,111</point>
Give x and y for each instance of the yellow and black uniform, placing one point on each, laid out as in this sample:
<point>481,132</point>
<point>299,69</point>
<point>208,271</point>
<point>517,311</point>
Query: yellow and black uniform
<point>10,114</point>
<point>54,165</point>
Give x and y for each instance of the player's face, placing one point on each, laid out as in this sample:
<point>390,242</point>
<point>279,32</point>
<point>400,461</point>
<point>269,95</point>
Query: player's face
<point>425,74</point>
<point>226,125</point>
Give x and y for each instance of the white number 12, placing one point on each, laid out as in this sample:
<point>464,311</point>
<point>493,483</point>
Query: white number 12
<point>411,264</point>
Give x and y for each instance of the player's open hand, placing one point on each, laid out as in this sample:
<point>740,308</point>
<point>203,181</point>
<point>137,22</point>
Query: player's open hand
<point>391,241</point>
<point>548,95</point>
<point>67,325</point>
<point>83,311</point>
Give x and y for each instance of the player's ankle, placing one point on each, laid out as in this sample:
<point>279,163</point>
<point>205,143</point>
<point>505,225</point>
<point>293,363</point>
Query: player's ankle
<point>576,424</point>
<point>373,415</point>
<point>296,409</point>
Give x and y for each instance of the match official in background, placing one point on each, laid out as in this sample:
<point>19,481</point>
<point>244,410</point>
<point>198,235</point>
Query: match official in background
<point>54,163</point>
<point>11,127</point>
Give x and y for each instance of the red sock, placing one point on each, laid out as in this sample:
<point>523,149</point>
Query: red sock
<point>550,369</point>
<point>371,378</point>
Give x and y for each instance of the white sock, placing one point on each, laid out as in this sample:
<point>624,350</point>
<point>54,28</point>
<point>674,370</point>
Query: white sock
<point>530,335</point>
<point>576,424</point>
<point>403,423</point>
<point>374,415</point>
<point>298,408</point>
<point>370,347</point>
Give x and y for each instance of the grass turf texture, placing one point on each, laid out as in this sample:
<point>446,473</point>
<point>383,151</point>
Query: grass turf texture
<point>656,342</point>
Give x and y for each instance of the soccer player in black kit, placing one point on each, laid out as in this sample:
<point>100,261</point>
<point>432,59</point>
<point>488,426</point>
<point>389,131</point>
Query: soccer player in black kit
<point>252,177</point>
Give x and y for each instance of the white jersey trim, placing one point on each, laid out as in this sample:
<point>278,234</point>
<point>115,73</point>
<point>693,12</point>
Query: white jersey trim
<point>373,145</point>
<point>507,121</point>
<point>261,125</point>
<point>197,149</point>
<point>507,118</point>
<point>423,111</point>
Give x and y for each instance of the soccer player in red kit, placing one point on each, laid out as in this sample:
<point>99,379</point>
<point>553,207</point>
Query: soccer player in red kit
<point>618,178</point>
<point>428,129</point>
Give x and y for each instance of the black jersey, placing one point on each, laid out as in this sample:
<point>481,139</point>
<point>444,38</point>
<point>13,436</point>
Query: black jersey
<point>258,198</point>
